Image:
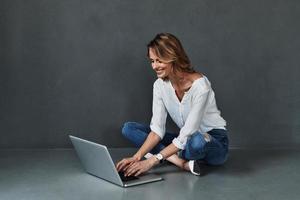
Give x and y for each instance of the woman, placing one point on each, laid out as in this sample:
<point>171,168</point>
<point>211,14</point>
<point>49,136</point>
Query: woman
<point>190,101</point>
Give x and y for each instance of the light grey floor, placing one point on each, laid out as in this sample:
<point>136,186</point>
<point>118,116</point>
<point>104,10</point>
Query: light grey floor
<point>57,174</point>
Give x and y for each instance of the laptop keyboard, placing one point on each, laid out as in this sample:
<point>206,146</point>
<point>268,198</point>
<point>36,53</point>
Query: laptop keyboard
<point>127,178</point>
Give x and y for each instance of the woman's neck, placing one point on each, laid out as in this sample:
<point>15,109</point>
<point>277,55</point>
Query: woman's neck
<point>179,79</point>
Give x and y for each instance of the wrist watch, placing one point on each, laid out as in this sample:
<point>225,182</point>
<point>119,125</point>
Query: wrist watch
<point>159,157</point>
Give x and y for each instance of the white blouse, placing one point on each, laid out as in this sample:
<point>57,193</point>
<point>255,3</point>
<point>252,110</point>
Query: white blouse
<point>197,110</point>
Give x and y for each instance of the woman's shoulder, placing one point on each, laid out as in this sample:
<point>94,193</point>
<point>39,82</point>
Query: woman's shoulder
<point>159,84</point>
<point>201,82</point>
<point>197,75</point>
<point>158,81</point>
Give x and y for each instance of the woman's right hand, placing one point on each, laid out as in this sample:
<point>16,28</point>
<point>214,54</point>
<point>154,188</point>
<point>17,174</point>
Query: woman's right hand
<point>125,163</point>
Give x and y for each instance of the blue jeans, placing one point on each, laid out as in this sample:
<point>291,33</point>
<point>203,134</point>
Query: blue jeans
<point>214,152</point>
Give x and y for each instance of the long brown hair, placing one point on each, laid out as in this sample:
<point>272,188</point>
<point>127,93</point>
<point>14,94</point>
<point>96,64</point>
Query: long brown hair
<point>169,49</point>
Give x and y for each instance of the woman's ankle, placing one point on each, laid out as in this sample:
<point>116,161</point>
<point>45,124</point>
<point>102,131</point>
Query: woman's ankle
<point>186,166</point>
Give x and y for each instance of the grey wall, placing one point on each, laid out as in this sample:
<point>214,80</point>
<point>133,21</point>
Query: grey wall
<point>79,67</point>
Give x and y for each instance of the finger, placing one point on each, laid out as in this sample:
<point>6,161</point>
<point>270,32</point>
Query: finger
<point>129,165</point>
<point>138,173</point>
<point>130,170</point>
<point>119,168</point>
<point>133,170</point>
<point>126,167</point>
<point>118,165</point>
<point>122,165</point>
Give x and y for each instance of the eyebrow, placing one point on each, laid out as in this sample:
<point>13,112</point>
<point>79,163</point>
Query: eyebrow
<point>154,59</point>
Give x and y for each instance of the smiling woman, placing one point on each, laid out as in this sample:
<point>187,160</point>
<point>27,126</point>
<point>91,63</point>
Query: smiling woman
<point>189,99</point>
<point>166,50</point>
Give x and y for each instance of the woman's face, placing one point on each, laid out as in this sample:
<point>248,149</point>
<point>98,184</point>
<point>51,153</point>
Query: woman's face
<point>162,69</point>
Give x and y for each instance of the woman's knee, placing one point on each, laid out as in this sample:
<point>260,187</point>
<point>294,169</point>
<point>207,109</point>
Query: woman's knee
<point>130,128</point>
<point>197,142</point>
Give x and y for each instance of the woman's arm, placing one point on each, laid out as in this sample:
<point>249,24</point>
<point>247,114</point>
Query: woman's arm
<point>169,151</point>
<point>194,118</point>
<point>137,168</point>
<point>151,141</point>
<point>157,126</point>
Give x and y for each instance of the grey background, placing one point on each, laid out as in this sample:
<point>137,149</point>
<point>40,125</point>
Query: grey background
<point>80,67</point>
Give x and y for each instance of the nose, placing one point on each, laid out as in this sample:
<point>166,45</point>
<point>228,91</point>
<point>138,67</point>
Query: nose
<point>154,65</point>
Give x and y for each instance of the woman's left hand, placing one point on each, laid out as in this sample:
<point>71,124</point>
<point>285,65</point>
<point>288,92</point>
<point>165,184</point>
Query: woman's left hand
<point>141,166</point>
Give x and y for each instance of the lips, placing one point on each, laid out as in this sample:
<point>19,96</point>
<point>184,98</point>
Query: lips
<point>159,71</point>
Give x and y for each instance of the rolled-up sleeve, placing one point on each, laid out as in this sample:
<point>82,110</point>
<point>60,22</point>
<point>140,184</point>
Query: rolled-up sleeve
<point>193,120</point>
<point>159,112</point>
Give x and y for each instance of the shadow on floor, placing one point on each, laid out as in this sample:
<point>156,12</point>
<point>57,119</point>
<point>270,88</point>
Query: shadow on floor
<point>244,161</point>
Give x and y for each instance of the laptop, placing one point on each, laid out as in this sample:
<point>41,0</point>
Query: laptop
<point>97,161</point>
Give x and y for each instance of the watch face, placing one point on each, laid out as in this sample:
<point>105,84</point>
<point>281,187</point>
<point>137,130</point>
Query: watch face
<point>159,156</point>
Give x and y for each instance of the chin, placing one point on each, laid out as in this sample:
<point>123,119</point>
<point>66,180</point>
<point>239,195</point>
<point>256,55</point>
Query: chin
<point>162,77</point>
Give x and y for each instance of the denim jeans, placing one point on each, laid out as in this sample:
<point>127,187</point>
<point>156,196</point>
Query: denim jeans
<point>214,152</point>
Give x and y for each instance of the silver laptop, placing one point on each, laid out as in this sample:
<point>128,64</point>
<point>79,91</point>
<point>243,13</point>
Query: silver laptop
<point>97,161</point>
